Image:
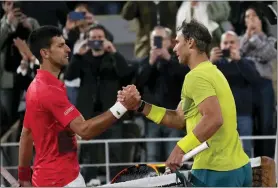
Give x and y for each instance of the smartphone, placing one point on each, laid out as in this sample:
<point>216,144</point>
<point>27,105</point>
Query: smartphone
<point>226,53</point>
<point>157,41</point>
<point>95,44</point>
<point>75,16</point>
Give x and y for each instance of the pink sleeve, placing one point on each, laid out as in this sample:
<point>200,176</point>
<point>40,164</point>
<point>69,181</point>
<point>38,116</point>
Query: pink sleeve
<point>58,104</point>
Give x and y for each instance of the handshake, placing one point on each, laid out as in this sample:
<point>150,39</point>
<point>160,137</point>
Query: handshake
<point>129,97</point>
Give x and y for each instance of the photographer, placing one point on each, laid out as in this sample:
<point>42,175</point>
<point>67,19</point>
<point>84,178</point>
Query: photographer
<point>103,71</point>
<point>14,24</point>
<point>75,32</point>
<point>159,79</point>
<point>242,76</point>
<point>78,24</point>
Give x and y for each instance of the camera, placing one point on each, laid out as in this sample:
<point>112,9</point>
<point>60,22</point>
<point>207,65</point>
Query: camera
<point>96,45</point>
<point>157,41</point>
<point>226,53</point>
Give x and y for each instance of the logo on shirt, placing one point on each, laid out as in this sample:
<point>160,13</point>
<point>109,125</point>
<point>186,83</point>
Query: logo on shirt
<point>68,110</point>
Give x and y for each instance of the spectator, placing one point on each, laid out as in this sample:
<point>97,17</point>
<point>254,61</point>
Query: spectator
<point>27,69</point>
<point>25,74</point>
<point>214,15</point>
<point>257,46</point>
<point>76,32</point>
<point>159,79</point>
<point>242,76</point>
<point>148,14</point>
<point>14,24</point>
<point>103,71</point>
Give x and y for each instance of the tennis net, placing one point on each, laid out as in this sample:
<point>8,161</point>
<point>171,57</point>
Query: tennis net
<point>263,176</point>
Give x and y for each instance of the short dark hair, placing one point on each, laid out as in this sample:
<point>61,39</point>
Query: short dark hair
<point>197,31</point>
<point>98,26</point>
<point>42,38</point>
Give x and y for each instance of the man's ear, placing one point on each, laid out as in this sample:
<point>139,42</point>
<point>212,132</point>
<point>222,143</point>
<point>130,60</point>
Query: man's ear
<point>44,53</point>
<point>191,43</point>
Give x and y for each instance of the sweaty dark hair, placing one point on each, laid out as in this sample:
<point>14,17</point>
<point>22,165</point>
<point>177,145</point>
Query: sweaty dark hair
<point>42,38</point>
<point>198,32</point>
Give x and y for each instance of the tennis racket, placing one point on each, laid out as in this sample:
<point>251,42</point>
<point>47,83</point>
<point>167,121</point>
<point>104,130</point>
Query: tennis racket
<point>136,172</point>
<point>190,154</point>
<point>150,170</point>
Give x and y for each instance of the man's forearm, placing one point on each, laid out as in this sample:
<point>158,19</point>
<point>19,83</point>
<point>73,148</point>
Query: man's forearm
<point>97,125</point>
<point>171,119</point>
<point>25,150</point>
<point>88,129</point>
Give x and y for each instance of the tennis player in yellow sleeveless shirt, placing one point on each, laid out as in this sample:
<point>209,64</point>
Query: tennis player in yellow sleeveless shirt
<point>207,110</point>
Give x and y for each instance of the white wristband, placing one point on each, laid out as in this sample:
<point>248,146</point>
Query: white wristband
<point>118,110</point>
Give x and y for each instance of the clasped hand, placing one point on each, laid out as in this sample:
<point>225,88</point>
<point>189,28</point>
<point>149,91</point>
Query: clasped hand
<point>129,97</point>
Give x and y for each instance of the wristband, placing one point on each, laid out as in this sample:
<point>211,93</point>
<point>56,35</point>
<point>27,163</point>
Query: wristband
<point>188,142</point>
<point>24,173</point>
<point>118,110</point>
<point>156,114</point>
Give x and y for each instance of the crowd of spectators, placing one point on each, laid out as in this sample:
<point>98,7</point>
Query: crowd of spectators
<point>243,49</point>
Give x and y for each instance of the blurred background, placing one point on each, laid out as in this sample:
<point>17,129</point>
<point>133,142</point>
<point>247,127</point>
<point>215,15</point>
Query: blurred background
<point>142,35</point>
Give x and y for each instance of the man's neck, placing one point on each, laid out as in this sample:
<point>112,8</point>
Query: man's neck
<point>195,61</point>
<point>55,71</point>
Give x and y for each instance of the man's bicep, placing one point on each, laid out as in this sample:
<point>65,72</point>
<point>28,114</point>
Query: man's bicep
<point>77,125</point>
<point>211,107</point>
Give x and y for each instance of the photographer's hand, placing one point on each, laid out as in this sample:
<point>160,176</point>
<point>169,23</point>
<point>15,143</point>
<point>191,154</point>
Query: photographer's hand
<point>13,16</point>
<point>154,53</point>
<point>164,54</point>
<point>109,47</point>
<point>235,55</point>
<point>215,54</point>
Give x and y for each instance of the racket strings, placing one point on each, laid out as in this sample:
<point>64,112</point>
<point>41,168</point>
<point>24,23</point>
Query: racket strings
<point>135,172</point>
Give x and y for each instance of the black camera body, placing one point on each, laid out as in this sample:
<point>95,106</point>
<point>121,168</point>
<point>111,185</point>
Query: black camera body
<point>96,45</point>
<point>226,53</point>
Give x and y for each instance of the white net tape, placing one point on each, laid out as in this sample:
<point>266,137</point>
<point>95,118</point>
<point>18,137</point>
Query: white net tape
<point>163,179</point>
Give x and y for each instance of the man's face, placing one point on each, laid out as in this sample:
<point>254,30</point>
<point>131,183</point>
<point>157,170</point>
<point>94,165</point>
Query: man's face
<point>230,42</point>
<point>182,49</point>
<point>58,52</point>
<point>166,42</point>
<point>97,34</point>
